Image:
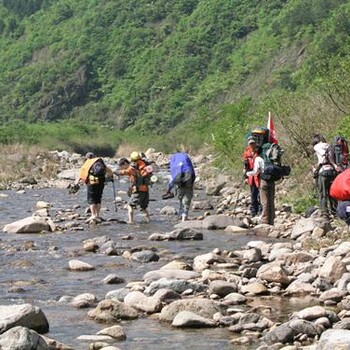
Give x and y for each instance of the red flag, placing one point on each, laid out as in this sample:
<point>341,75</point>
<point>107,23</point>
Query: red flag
<point>271,127</point>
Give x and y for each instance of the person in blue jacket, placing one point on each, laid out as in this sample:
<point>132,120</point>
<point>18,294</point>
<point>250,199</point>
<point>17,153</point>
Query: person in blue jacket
<point>182,180</point>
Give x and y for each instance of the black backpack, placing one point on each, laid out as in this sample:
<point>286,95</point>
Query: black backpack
<point>273,169</point>
<point>98,169</point>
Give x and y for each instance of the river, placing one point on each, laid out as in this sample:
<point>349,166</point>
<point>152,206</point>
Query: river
<point>42,272</point>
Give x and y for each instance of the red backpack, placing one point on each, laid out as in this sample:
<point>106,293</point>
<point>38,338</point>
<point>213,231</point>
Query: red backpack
<point>340,188</point>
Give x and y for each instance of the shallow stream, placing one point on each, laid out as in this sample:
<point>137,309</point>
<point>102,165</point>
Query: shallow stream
<point>43,274</point>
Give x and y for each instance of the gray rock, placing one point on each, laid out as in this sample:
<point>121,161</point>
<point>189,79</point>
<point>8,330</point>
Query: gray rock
<point>30,225</point>
<point>202,307</point>
<point>116,332</point>
<point>110,310</point>
<point>118,294</point>
<point>170,274</point>
<point>178,286</point>
<point>19,338</point>
<point>334,339</point>
<point>25,315</point>
<point>214,222</point>
<point>222,288</point>
<point>187,319</point>
<point>281,334</point>
<point>145,256</point>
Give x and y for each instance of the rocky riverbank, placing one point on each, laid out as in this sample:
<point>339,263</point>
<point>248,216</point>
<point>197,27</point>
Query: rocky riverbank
<point>235,289</point>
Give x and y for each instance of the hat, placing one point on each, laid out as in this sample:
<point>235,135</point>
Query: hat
<point>123,161</point>
<point>89,155</point>
<point>251,139</point>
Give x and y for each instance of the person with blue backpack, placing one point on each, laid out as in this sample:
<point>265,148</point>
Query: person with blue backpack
<point>182,179</point>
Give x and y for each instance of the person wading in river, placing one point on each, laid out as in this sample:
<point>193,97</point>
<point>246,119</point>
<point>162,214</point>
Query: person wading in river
<point>182,179</point>
<point>94,173</point>
<point>138,190</point>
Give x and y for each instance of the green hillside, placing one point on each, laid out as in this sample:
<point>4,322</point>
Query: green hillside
<point>209,69</point>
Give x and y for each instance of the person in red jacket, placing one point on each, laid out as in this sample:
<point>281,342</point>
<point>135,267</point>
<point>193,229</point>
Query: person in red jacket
<point>252,180</point>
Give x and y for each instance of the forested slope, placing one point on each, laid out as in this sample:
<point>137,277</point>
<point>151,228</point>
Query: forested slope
<point>150,65</point>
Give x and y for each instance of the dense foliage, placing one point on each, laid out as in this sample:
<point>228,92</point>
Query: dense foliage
<point>207,69</point>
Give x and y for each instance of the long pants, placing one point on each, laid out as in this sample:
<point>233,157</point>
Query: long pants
<point>255,205</point>
<point>185,195</point>
<point>324,185</point>
<point>267,197</point>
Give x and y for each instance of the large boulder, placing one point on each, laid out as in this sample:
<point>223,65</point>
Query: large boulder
<point>19,338</point>
<point>25,315</point>
<point>111,310</point>
<point>31,224</point>
<point>334,339</point>
<point>202,307</point>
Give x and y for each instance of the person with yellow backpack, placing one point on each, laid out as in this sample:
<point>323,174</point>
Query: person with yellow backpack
<point>94,173</point>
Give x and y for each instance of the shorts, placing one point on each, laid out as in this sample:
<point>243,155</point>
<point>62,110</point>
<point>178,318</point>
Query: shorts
<point>94,193</point>
<point>139,198</point>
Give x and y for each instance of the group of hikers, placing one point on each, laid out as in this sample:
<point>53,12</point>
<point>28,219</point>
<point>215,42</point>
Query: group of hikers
<point>262,167</point>
<point>94,173</point>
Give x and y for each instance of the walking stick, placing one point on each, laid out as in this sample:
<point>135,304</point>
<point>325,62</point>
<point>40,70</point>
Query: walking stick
<point>238,193</point>
<point>114,196</point>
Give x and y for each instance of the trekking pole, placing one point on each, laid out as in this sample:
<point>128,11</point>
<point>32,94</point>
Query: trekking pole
<point>238,193</point>
<point>114,196</point>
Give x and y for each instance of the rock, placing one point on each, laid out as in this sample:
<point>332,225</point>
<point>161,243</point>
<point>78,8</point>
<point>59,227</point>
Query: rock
<point>186,234</point>
<point>170,274</point>
<point>169,211</point>
<point>214,222</point>
<point>18,338</point>
<point>201,262</point>
<point>281,334</point>
<point>77,265</point>
<point>302,226</point>
<point>222,288</point>
<point>29,225</point>
<point>43,205</point>
<point>334,339</point>
<point>298,287</point>
<point>235,229</point>
<point>311,313</point>
<point>255,288</point>
<point>145,256</point>
<point>113,279</point>
<point>202,307</point>
<point>177,265</point>
<point>111,310</point>
<point>178,286</point>
<point>118,294</point>
<point>333,269</point>
<point>187,319</point>
<point>84,300</point>
<point>25,315</point>
<point>273,273</point>
<point>202,205</point>
<point>116,332</point>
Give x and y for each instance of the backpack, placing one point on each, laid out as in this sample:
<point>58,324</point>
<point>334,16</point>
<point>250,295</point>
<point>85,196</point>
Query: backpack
<point>98,169</point>
<point>273,168</point>
<point>181,169</point>
<point>340,188</point>
<point>338,152</point>
<point>144,173</point>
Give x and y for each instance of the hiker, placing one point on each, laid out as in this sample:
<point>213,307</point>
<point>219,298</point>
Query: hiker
<point>182,179</point>
<point>94,173</point>
<point>253,181</point>
<point>324,174</point>
<point>138,190</point>
<point>266,189</point>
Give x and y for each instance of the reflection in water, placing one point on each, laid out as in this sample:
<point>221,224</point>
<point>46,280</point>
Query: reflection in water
<point>43,277</point>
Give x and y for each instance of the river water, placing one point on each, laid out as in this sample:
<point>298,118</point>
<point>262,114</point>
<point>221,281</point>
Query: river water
<point>42,272</point>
